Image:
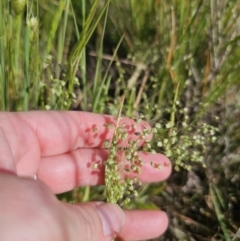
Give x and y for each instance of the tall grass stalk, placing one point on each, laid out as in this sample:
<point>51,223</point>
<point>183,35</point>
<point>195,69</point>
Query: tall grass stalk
<point>87,32</point>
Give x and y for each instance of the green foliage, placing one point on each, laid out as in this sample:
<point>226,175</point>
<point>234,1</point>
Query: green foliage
<point>33,49</point>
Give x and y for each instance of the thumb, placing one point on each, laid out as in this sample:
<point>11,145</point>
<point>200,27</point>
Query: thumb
<point>95,221</point>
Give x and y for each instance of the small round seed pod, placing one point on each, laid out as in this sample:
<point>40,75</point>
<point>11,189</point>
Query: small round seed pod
<point>18,6</point>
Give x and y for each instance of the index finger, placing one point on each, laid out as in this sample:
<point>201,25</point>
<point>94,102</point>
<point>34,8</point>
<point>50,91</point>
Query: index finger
<point>61,132</point>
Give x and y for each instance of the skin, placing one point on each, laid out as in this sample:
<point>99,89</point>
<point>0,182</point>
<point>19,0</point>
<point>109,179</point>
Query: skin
<point>61,147</point>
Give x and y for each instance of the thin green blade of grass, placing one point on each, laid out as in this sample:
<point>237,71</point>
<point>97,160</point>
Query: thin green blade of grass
<point>26,69</point>
<point>54,25</point>
<point>99,92</point>
<point>2,60</point>
<point>219,213</point>
<point>75,21</point>
<point>76,53</point>
<point>220,196</point>
<point>17,51</point>
<point>62,35</point>
<point>83,66</point>
<point>99,57</point>
<point>88,30</point>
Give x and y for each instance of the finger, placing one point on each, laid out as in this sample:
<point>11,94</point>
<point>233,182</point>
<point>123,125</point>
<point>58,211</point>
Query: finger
<point>34,134</point>
<point>60,132</point>
<point>94,221</point>
<point>103,221</point>
<point>143,225</point>
<point>22,143</point>
<point>65,172</point>
<point>30,211</point>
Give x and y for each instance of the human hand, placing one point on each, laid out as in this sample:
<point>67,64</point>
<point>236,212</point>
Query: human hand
<point>60,147</point>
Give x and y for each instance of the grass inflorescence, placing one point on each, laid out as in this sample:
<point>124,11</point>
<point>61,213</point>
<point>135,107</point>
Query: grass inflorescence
<point>184,142</point>
<point>123,161</point>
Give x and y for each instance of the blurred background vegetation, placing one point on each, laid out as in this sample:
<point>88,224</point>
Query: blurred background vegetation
<point>179,58</point>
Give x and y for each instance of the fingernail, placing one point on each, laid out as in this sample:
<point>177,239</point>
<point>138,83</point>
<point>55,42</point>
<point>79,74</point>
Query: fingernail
<point>112,217</point>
